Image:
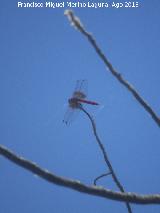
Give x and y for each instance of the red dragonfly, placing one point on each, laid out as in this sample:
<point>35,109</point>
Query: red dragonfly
<point>78,98</point>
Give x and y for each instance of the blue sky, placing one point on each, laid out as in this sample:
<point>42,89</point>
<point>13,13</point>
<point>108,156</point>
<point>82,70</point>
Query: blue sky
<point>41,59</point>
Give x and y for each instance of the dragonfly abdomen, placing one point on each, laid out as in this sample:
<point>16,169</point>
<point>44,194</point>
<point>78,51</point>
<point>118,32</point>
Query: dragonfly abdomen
<point>87,101</point>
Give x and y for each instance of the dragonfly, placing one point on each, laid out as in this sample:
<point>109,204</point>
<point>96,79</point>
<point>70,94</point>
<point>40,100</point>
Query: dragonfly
<point>75,102</point>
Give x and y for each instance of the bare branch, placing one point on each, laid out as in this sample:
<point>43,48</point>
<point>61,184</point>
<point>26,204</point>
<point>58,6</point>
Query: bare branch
<point>114,176</point>
<point>77,185</point>
<point>75,21</point>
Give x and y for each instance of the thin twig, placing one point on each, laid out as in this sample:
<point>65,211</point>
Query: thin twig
<point>77,185</point>
<point>75,21</point>
<point>115,179</point>
<point>100,176</point>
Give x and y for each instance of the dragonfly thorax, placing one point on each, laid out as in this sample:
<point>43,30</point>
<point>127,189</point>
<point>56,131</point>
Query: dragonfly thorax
<point>74,103</point>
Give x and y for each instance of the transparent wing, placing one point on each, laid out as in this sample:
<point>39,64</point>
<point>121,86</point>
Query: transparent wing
<point>70,115</point>
<point>80,90</point>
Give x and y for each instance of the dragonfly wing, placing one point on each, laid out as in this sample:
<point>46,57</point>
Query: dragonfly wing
<point>70,115</point>
<point>80,92</point>
<point>80,89</point>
